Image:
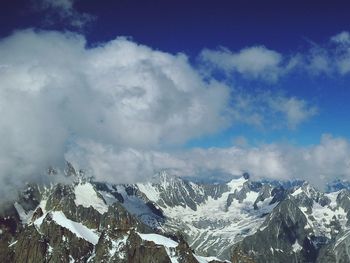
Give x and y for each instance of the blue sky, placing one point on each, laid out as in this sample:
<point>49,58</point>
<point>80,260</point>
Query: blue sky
<point>235,24</point>
<point>153,84</point>
<point>189,26</point>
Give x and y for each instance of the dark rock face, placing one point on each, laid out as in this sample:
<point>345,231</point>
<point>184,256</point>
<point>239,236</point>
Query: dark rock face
<point>30,197</point>
<point>111,190</point>
<point>184,252</point>
<point>175,191</point>
<point>283,229</point>
<point>102,248</point>
<point>119,219</point>
<point>31,246</point>
<point>62,198</point>
<point>242,193</point>
<point>145,251</point>
<point>264,193</point>
<point>246,175</point>
<point>37,213</point>
<point>240,257</point>
<point>64,243</point>
<point>323,200</point>
<point>10,226</point>
<point>343,200</point>
<point>279,194</point>
<point>58,196</point>
<point>214,190</point>
<point>337,251</point>
<point>155,209</point>
<point>229,200</point>
<point>70,170</point>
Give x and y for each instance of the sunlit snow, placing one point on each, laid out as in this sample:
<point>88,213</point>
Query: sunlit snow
<point>86,196</point>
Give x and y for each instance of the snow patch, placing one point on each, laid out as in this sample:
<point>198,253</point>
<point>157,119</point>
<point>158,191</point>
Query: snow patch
<point>168,244</point>
<point>137,207</point>
<point>333,197</point>
<point>50,249</point>
<point>236,184</point>
<point>150,191</point>
<point>117,246</point>
<point>159,240</point>
<point>296,247</point>
<point>42,205</point>
<point>322,216</point>
<point>201,259</point>
<point>86,196</point>
<point>23,215</point>
<point>297,192</point>
<point>13,243</point>
<point>76,228</point>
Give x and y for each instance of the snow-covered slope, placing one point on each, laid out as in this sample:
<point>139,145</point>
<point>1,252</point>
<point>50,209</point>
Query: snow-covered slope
<point>212,217</point>
<point>76,228</point>
<point>215,217</point>
<point>86,196</point>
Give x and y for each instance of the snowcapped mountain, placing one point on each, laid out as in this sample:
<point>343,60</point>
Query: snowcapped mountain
<point>169,219</point>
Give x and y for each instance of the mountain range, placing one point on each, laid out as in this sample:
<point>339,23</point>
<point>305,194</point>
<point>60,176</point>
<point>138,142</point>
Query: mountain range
<point>172,219</point>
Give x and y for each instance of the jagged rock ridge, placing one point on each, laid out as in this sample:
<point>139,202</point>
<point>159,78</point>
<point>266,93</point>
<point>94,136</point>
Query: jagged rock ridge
<point>169,219</point>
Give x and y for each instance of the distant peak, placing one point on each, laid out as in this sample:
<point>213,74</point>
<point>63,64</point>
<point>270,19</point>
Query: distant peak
<point>246,175</point>
<point>164,176</point>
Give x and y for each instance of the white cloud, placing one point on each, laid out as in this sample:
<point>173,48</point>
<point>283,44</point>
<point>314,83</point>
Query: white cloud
<point>319,164</point>
<point>113,108</point>
<point>341,38</point>
<point>266,109</point>
<point>122,92</point>
<point>255,62</point>
<point>332,58</point>
<point>296,111</point>
<point>317,62</point>
<point>105,163</point>
<point>55,91</point>
<point>58,11</point>
<point>261,63</point>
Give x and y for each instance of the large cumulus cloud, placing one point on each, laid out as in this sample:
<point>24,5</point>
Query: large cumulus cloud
<point>54,91</point>
<point>118,109</point>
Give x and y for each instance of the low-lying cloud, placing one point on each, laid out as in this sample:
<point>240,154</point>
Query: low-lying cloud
<point>318,164</point>
<point>119,109</point>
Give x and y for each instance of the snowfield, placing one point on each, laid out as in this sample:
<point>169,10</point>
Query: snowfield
<point>159,240</point>
<point>76,228</point>
<point>86,196</point>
